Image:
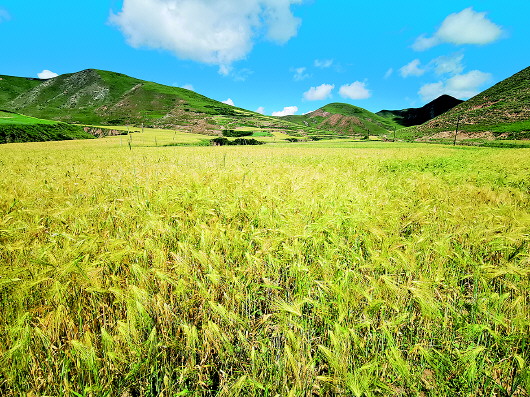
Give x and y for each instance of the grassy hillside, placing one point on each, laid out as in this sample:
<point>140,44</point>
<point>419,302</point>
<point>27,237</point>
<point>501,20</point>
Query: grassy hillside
<point>502,111</point>
<point>101,97</point>
<point>11,87</point>
<point>18,128</point>
<point>315,269</point>
<point>345,119</point>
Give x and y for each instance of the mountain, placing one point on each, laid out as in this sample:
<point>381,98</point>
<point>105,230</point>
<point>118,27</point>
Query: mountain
<point>502,111</point>
<point>97,97</point>
<point>345,119</point>
<point>19,128</point>
<point>416,116</point>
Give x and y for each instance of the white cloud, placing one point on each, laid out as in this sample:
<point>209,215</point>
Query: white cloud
<point>242,74</point>
<point>46,74</point>
<point>319,93</point>
<point>449,64</point>
<point>4,15</point>
<point>461,86</point>
<point>464,27</point>
<point>323,63</point>
<point>423,43</point>
<point>389,73</point>
<point>215,32</point>
<point>300,74</point>
<point>287,111</point>
<point>260,110</point>
<point>356,90</point>
<point>188,87</point>
<point>412,69</point>
<point>229,102</point>
<point>225,70</point>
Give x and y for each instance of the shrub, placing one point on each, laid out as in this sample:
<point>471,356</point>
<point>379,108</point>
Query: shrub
<point>222,141</point>
<point>236,134</point>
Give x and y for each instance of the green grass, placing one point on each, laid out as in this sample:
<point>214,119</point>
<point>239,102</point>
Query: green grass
<point>19,119</point>
<point>19,128</point>
<point>325,268</point>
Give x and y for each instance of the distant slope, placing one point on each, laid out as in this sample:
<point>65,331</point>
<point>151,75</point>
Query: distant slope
<point>502,111</point>
<point>416,116</point>
<point>18,128</point>
<point>345,119</point>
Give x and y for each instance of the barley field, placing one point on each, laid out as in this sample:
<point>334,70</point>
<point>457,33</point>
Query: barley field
<point>304,269</point>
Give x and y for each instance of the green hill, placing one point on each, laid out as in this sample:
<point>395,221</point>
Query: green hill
<point>345,119</point>
<point>18,128</point>
<point>101,97</point>
<point>502,111</point>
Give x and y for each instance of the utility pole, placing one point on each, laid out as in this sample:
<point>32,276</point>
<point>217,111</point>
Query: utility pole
<point>456,131</point>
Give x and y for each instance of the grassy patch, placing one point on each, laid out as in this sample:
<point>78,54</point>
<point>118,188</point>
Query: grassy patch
<point>18,128</point>
<point>19,119</point>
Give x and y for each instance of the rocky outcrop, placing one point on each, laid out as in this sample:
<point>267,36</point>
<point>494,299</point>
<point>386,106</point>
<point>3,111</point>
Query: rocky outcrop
<point>103,132</point>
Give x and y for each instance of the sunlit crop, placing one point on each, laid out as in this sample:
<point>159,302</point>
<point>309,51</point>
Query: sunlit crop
<point>316,269</point>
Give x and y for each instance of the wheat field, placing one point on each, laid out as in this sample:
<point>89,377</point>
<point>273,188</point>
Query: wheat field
<point>316,269</point>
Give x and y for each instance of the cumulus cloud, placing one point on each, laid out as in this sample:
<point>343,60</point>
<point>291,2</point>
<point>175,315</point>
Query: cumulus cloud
<point>389,73</point>
<point>215,32</point>
<point>260,110</point>
<point>464,27</point>
<point>462,86</point>
<point>229,102</point>
<point>4,15</point>
<point>46,74</point>
<point>356,90</point>
<point>412,69</point>
<point>188,87</point>
<point>287,111</point>
<point>319,93</point>
<point>323,63</point>
<point>300,74</point>
<point>448,64</point>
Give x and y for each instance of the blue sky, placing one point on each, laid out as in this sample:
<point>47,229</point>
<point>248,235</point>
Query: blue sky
<point>286,56</point>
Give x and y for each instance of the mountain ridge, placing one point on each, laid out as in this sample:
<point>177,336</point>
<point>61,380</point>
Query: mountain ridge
<point>416,116</point>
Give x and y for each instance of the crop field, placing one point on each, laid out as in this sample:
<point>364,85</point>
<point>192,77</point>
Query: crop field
<point>287,269</point>
<point>148,137</point>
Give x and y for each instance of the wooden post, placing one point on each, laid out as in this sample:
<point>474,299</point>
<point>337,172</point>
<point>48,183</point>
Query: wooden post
<point>456,130</point>
<point>394,134</point>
